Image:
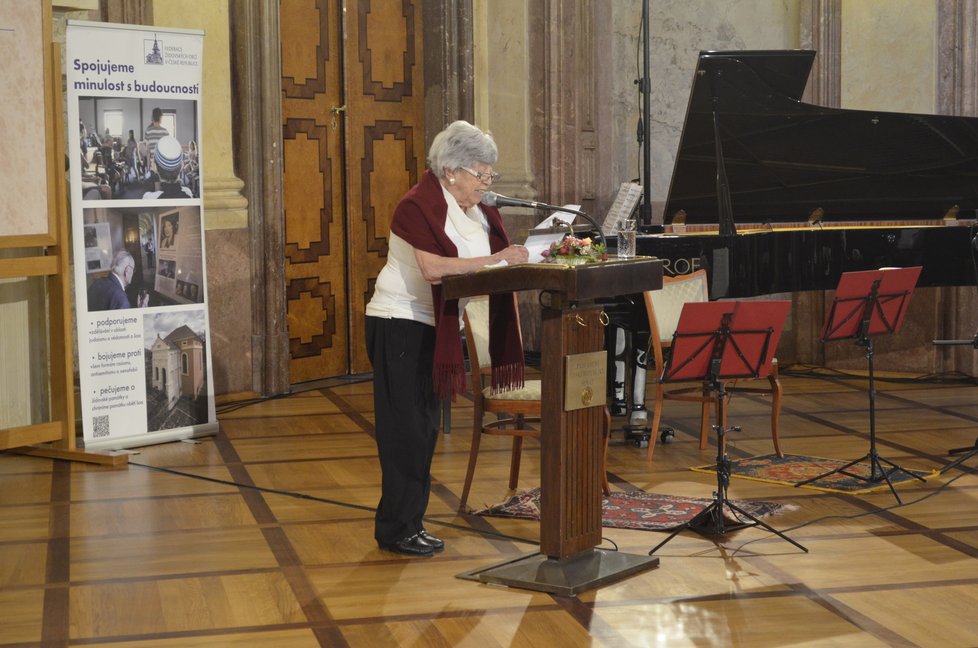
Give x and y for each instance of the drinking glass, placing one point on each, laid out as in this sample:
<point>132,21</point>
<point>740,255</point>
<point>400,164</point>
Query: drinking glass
<point>626,238</point>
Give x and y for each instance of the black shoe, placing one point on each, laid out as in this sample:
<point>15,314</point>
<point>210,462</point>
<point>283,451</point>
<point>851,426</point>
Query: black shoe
<point>412,546</point>
<point>436,543</point>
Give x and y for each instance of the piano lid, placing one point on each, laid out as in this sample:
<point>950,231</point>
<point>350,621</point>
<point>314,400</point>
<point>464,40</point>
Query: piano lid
<point>785,159</point>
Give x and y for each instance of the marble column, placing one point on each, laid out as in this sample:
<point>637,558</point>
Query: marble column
<point>224,205</point>
<point>227,236</point>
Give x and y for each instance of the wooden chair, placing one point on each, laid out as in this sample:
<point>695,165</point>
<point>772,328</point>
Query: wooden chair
<point>514,409</point>
<point>663,308</point>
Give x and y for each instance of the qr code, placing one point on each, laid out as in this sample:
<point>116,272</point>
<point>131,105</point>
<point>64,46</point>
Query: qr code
<point>100,426</point>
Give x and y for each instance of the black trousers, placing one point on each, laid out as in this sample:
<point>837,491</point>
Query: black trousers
<point>406,411</point>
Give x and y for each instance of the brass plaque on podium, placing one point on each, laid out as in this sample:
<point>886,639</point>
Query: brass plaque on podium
<point>585,380</point>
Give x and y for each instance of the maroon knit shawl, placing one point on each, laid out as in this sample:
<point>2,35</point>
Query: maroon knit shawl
<point>420,219</point>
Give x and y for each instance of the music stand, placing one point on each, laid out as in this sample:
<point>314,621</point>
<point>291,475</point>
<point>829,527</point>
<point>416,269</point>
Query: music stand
<point>972,450</point>
<point>714,342</point>
<point>869,302</point>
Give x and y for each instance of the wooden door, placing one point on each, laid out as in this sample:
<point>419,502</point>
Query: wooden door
<point>353,112</point>
<point>315,253</point>
<point>385,138</point>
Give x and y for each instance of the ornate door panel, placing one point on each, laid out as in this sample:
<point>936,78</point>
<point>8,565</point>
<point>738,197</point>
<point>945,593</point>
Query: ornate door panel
<point>353,112</point>
<point>315,253</point>
<point>385,138</point>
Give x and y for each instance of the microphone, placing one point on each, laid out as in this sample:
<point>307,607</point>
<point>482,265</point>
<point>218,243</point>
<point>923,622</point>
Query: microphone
<point>492,199</point>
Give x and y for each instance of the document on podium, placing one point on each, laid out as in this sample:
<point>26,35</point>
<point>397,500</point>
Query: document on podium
<point>543,234</point>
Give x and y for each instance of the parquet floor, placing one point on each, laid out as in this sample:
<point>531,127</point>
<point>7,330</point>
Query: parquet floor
<point>262,536</point>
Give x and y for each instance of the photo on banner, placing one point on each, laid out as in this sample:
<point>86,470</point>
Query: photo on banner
<point>120,161</point>
<point>133,97</point>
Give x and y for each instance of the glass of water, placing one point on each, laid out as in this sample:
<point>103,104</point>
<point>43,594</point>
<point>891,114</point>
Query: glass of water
<point>626,238</point>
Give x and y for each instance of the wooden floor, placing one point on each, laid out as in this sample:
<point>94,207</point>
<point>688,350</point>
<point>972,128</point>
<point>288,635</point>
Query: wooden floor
<point>182,549</point>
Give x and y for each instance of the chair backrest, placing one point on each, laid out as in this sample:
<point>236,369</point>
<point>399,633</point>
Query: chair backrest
<point>664,306</point>
<point>476,320</point>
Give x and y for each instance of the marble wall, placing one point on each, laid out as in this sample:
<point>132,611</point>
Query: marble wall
<point>888,55</point>
<point>679,30</point>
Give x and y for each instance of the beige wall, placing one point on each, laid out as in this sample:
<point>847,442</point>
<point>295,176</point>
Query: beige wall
<point>888,55</point>
<point>501,66</point>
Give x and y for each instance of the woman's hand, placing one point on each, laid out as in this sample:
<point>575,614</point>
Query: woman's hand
<point>513,255</point>
<point>433,267</point>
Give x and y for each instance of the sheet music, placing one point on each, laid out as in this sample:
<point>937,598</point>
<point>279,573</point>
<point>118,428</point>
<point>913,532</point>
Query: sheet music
<point>627,199</point>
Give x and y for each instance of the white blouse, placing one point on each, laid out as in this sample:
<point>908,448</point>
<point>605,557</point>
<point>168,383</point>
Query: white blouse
<point>401,291</point>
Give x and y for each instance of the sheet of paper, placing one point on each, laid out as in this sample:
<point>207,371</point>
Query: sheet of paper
<point>558,217</point>
<point>537,242</point>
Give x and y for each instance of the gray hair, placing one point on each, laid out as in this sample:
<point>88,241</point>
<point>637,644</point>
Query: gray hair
<point>121,260</point>
<point>461,145</point>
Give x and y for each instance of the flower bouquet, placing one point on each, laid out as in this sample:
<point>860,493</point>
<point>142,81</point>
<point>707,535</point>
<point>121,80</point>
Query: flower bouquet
<point>574,251</point>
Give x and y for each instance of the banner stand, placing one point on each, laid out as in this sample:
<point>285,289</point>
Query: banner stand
<point>135,154</point>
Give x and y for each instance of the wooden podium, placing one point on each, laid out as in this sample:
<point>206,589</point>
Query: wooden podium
<point>571,432</point>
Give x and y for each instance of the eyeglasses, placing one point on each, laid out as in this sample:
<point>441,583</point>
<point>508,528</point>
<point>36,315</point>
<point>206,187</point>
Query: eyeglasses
<point>484,176</point>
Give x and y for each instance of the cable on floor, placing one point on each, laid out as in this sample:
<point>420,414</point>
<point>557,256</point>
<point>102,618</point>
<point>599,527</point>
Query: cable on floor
<point>325,500</point>
<point>854,516</point>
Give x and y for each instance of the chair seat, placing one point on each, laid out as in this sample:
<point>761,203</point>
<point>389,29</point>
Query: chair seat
<point>531,391</point>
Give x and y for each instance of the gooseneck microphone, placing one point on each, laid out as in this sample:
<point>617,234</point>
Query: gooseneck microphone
<point>492,199</point>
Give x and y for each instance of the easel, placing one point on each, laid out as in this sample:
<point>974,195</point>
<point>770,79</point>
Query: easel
<point>714,342</point>
<point>54,438</point>
<point>867,303</point>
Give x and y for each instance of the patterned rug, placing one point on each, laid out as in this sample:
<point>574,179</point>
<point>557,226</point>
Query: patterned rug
<point>633,510</point>
<point>791,469</point>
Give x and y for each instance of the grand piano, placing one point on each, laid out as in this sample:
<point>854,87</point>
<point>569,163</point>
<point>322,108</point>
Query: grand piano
<point>770,194</point>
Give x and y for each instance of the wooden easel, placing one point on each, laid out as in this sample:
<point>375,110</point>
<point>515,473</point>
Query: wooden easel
<point>54,438</point>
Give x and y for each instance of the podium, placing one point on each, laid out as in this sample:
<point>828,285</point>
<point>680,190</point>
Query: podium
<point>571,423</point>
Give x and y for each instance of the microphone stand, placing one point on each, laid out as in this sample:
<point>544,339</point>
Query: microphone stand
<point>539,205</point>
<point>970,451</point>
<point>593,223</point>
<point>645,124</point>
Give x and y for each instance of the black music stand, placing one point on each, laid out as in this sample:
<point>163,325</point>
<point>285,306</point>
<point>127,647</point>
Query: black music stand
<point>717,341</point>
<point>870,302</point>
<point>971,450</point>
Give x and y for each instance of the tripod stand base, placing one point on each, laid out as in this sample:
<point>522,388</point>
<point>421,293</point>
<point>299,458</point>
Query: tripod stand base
<point>710,522</point>
<point>563,577</point>
<point>970,450</point>
<point>877,473</point>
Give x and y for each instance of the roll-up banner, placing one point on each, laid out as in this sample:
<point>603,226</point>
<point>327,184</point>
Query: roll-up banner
<point>134,142</point>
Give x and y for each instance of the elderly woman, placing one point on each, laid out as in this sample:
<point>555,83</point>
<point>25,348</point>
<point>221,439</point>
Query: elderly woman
<point>438,229</point>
